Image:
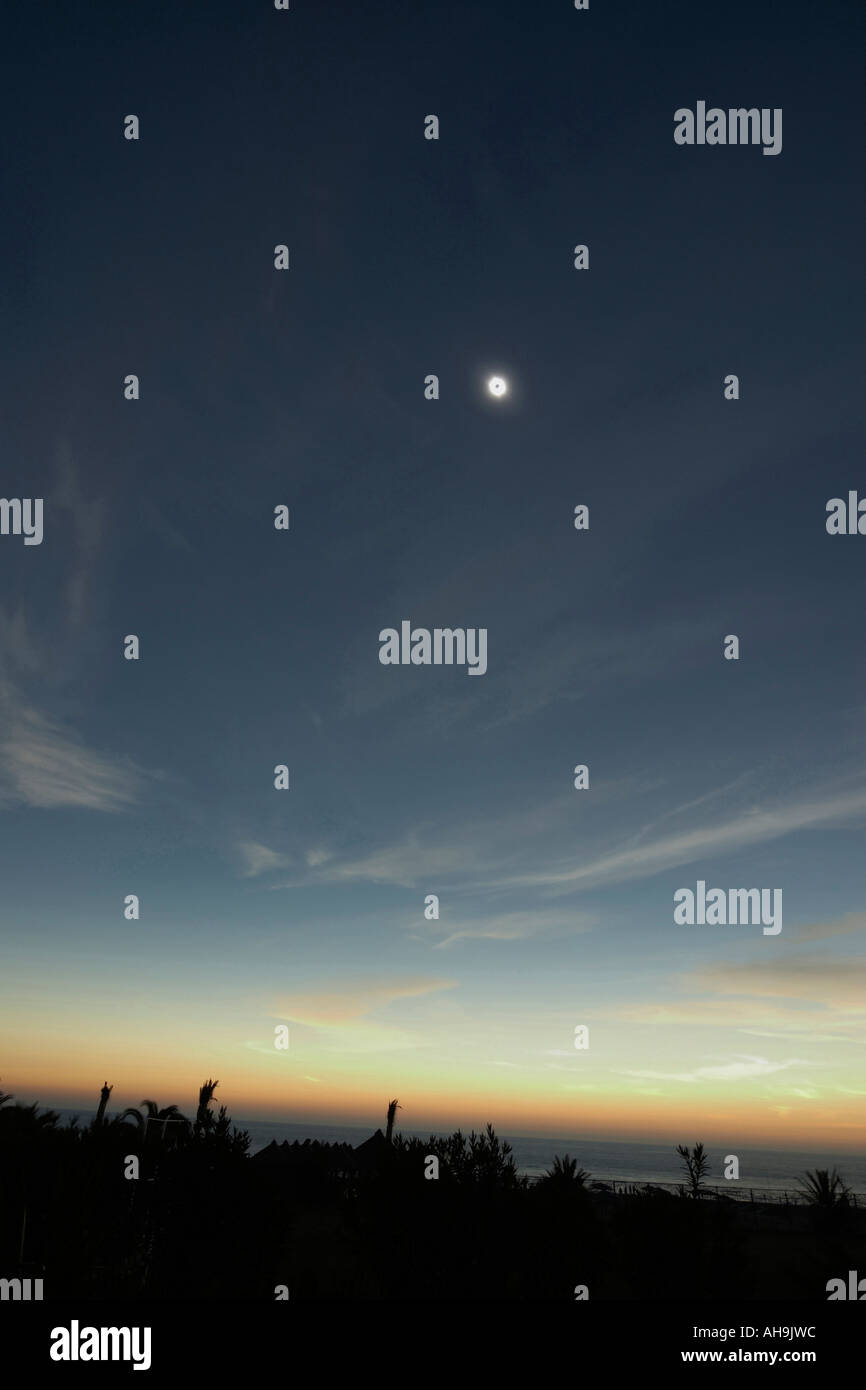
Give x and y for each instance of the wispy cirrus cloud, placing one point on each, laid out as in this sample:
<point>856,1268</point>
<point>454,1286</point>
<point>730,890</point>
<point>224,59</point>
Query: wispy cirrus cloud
<point>743,1067</point>
<point>478,853</point>
<point>787,1034</point>
<point>794,995</point>
<point>837,985</point>
<point>821,931</point>
<point>358,1017</point>
<point>404,865</point>
<point>805,1020</point>
<point>346,1002</point>
<point>44,765</point>
<point>515,926</point>
<point>672,851</point>
<point>315,857</point>
<point>258,859</point>
<point>482,856</point>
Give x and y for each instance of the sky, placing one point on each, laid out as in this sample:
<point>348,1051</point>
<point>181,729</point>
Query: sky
<point>259,647</point>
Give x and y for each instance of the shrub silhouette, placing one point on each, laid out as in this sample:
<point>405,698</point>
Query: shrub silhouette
<point>565,1174</point>
<point>825,1189</point>
<point>474,1160</point>
<point>697,1165</point>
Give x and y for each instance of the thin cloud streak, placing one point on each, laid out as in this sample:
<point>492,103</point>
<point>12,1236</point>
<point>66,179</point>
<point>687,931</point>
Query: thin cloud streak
<point>258,859</point>
<point>517,926</point>
<point>45,766</point>
<point>415,860</point>
<point>676,850</point>
<point>354,1000</point>
<point>741,1069</point>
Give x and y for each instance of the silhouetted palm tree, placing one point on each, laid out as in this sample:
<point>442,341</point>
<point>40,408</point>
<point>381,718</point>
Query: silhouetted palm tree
<point>203,1117</point>
<point>146,1123</point>
<point>825,1189</point>
<point>565,1173</point>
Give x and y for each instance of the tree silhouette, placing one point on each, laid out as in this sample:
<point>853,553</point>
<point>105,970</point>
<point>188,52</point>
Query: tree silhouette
<point>825,1189</point>
<point>204,1120</point>
<point>478,1161</point>
<point>393,1107</point>
<point>565,1174</point>
<point>169,1115</point>
<point>697,1166</point>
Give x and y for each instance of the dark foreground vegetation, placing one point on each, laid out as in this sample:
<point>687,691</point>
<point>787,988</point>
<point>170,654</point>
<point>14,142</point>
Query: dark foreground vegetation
<point>203,1220</point>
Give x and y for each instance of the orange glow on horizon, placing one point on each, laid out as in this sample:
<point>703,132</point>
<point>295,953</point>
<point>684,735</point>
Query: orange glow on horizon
<point>437,1108</point>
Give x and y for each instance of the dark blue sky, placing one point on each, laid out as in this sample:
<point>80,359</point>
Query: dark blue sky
<point>258,647</point>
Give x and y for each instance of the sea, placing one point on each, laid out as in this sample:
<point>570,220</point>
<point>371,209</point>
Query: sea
<point>765,1174</point>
